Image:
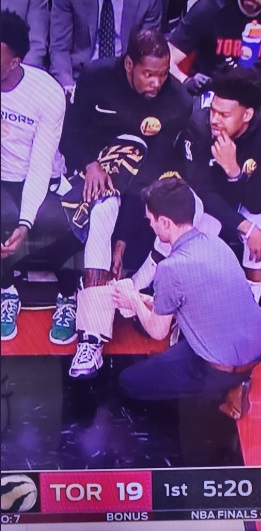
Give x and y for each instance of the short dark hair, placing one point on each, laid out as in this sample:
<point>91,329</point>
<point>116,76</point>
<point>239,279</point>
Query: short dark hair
<point>170,197</point>
<point>146,42</point>
<point>239,84</point>
<point>15,33</point>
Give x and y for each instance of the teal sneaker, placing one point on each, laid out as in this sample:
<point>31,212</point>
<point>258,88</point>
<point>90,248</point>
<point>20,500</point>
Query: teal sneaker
<point>10,308</point>
<point>63,330</point>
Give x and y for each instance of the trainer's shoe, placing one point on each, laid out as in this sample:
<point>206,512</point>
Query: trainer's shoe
<point>10,308</point>
<point>88,358</point>
<point>237,402</point>
<point>174,333</point>
<point>63,329</point>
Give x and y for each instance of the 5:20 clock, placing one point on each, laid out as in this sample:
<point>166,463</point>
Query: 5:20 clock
<point>228,488</point>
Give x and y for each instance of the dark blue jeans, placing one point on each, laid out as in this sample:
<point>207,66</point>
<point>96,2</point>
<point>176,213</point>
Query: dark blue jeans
<point>176,372</point>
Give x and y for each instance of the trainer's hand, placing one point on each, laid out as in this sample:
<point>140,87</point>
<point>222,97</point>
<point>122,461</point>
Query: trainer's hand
<point>14,241</point>
<point>148,300</point>
<point>117,259</point>
<point>96,181</point>
<point>125,299</point>
<point>196,85</point>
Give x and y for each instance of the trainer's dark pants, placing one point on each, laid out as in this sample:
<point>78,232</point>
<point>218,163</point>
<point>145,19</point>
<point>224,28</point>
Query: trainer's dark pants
<point>50,221</point>
<point>178,371</point>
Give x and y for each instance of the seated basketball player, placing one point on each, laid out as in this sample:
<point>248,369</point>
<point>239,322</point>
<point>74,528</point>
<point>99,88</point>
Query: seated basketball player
<point>32,112</point>
<point>222,162</point>
<point>126,114</point>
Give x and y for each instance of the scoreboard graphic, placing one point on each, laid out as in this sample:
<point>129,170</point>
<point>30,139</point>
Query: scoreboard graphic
<point>131,496</point>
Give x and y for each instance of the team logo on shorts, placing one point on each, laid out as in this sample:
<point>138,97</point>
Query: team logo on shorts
<point>249,167</point>
<point>124,155</point>
<point>150,126</point>
<point>18,493</point>
<point>5,128</point>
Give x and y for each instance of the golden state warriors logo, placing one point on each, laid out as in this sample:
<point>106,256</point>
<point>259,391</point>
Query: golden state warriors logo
<point>5,128</point>
<point>249,167</point>
<point>169,174</point>
<point>246,52</point>
<point>150,126</point>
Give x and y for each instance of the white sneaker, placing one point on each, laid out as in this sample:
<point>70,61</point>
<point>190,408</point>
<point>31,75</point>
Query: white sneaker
<point>88,358</point>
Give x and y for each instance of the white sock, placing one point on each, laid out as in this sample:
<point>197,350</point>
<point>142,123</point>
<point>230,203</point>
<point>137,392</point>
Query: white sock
<point>86,335</point>
<point>60,295</point>
<point>12,290</point>
<point>256,289</point>
<point>145,275</point>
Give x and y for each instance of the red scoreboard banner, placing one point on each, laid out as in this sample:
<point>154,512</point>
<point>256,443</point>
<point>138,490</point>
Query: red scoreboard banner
<point>95,492</point>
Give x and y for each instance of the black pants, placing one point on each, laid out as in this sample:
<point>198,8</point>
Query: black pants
<point>50,221</point>
<point>176,372</point>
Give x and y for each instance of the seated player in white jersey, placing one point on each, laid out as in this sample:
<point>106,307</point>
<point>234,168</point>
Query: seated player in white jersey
<point>32,113</point>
